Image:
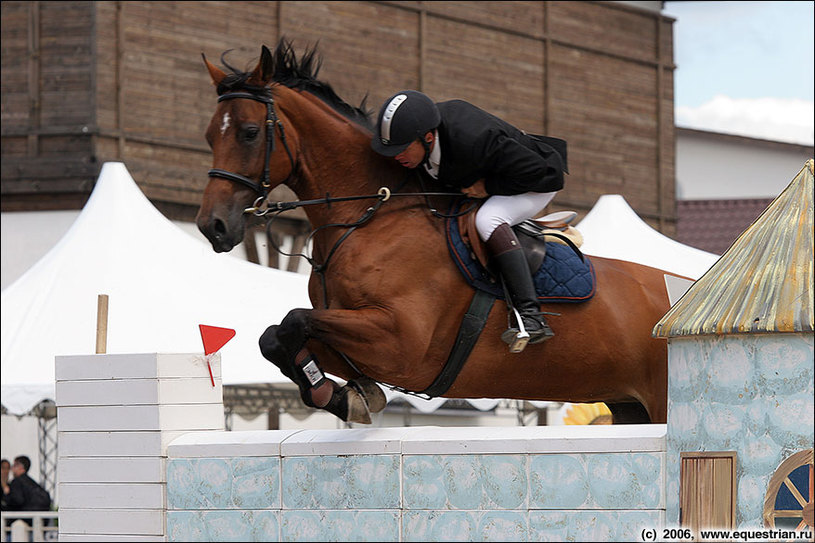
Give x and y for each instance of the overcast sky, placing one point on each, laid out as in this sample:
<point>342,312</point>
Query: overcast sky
<point>745,68</point>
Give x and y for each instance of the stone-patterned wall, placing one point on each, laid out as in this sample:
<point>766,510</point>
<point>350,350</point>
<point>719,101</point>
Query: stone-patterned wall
<point>752,394</point>
<point>418,484</point>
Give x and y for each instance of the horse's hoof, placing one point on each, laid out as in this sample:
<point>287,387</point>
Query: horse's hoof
<point>370,390</point>
<point>358,410</point>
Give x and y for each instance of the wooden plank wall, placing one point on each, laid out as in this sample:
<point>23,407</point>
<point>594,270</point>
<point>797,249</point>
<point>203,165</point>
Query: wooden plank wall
<point>47,104</point>
<point>129,74</point>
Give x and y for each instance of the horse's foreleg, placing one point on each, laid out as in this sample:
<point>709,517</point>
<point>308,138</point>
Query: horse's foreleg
<point>284,345</point>
<point>628,413</point>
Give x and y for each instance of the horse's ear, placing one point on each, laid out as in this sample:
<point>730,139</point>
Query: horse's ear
<point>262,74</point>
<point>215,73</point>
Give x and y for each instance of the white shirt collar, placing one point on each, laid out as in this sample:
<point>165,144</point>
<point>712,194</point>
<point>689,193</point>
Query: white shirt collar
<point>433,161</point>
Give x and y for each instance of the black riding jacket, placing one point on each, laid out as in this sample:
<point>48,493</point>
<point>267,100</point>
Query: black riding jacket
<point>478,145</point>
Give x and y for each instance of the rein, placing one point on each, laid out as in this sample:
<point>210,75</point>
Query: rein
<point>384,194</point>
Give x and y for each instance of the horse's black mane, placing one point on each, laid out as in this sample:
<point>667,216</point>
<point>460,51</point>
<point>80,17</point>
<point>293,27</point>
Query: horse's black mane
<point>296,74</point>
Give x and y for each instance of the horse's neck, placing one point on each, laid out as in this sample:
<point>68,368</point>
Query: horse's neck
<point>335,158</point>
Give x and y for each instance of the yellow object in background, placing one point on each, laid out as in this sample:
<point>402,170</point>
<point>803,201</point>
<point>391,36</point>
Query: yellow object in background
<point>588,413</point>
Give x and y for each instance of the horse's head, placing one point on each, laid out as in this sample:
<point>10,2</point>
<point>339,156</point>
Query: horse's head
<point>251,154</point>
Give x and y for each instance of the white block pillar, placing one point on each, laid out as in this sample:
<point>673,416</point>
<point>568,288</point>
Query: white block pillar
<point>116,414</point>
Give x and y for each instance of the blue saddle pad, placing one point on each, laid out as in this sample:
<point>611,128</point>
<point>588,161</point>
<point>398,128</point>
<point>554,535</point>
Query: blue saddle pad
<point>563,276</point>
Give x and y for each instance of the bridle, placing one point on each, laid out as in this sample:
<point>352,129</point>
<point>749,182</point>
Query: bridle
<point>263,186</point>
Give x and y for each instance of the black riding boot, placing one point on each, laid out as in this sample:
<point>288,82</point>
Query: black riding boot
<point>509,258</point>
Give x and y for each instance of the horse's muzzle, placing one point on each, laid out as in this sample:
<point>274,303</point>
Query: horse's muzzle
<point>220,235</point>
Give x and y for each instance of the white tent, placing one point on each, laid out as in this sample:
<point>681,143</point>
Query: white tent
<point>161,283</point>
<point>613,230</point>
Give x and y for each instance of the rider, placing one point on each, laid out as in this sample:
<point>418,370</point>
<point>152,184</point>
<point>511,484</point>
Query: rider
<point>465,148</point>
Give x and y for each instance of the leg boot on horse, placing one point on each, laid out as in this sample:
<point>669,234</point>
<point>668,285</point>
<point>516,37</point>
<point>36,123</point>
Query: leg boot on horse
<point>283,346</point>
<point>508,257</point>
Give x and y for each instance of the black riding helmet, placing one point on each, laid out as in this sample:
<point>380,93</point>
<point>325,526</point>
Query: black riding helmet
<point>405,117</point>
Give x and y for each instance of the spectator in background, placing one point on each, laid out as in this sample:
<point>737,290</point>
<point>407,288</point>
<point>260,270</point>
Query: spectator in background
<point>5,467</point>
<point>24,493</point>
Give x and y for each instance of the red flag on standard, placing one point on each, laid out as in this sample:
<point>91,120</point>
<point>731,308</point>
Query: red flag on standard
<point>214,337</point>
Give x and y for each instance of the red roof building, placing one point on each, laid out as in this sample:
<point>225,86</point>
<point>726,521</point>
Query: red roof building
<point>713,225</point>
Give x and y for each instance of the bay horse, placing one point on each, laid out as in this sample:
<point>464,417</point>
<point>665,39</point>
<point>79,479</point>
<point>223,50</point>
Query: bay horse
<point>387,297</point>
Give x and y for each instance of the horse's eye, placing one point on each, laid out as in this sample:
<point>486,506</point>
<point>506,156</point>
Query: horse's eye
<point>251,133</point>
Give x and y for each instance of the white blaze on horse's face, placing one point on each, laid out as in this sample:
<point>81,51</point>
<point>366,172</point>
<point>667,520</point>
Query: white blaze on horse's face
<point>225,123</point>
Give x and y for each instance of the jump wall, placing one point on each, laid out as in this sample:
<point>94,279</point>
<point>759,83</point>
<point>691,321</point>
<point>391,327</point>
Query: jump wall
<point>143,457</point>
<point>417,484</point>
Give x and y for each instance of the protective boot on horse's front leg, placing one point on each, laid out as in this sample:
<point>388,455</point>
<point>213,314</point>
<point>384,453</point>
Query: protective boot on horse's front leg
<point>509,258</point>
<point>348,403</point>
<point>279,344</point>
<point>275,352</point>
<point>283,346</point>
<point>316,389</point>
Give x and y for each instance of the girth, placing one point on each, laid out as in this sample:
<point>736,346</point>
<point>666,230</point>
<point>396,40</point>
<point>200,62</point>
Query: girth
<point>468,333</point>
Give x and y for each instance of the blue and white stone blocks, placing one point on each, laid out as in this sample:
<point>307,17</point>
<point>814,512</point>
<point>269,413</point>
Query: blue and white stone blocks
<point>418,484</point>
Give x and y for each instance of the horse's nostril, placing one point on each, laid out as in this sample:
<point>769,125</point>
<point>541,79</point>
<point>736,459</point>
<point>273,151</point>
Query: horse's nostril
<point>219,226</point>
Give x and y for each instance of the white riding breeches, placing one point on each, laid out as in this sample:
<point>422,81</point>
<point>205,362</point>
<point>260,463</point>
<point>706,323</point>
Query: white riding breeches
<point>509,209</point>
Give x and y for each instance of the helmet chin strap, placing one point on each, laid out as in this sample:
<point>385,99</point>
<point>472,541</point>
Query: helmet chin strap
<point>426,145</point>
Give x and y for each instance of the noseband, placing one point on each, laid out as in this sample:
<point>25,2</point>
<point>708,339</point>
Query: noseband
<point>262,187</point>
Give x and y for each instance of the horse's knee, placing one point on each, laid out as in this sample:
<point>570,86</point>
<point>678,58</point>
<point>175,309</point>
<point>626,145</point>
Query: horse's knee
<point>273,351</point>
<point>294,328</point>
<point>281,342</point>
<point>271,348</point>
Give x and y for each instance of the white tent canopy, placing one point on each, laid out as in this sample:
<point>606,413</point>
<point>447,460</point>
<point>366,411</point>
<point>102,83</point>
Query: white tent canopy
<point>161,284</point>
<point>613,230</point>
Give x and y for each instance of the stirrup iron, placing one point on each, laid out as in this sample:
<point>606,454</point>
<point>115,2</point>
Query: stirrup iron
<point>517,341</point>
<point>520,340</point>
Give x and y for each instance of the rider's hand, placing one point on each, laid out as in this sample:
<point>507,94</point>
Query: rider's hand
<point>476,190</point>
